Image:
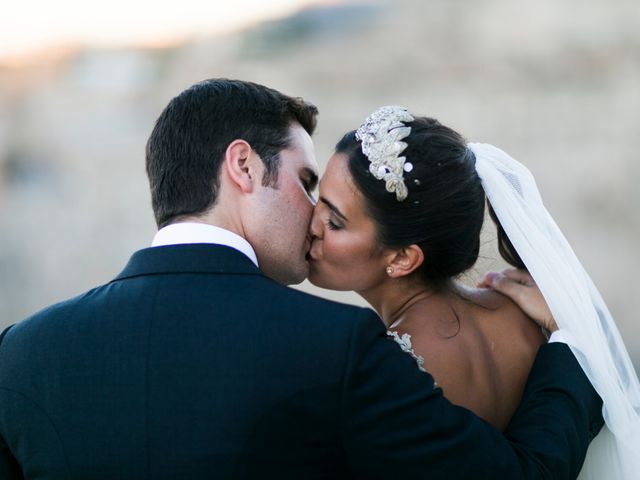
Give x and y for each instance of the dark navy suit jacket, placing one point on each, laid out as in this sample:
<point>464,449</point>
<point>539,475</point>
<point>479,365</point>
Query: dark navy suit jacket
<point>191,364</point>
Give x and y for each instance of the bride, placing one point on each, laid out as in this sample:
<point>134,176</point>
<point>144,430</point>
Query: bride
<point>398,219</point>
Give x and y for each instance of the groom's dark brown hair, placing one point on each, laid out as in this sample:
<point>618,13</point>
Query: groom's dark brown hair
<point>187,145</point>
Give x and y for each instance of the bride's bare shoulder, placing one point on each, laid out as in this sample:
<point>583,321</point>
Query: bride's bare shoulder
<point>491,307</point>
<point>492,302</point>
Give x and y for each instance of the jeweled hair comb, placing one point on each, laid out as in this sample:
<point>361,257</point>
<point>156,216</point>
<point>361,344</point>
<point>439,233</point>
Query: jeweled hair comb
<point>381,135</point>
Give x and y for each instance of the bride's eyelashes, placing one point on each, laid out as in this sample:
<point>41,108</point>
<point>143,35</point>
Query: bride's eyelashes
<point>333,226</point>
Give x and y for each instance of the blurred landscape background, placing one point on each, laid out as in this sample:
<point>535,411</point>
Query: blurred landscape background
<point>555,84</point>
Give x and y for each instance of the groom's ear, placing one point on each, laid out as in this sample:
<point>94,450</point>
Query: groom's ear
<point>406,260</point>
<point>242,165</point>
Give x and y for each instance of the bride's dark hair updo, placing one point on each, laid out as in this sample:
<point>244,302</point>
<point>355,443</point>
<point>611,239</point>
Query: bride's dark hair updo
<point>444,210</point>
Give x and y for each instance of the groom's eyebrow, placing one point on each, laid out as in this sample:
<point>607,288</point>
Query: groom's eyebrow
<point>334,209</point>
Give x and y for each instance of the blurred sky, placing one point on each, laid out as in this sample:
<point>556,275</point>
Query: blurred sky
<point>31,26</point>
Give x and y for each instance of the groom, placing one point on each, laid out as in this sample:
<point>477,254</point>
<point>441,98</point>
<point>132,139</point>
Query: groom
<point>196,362</point>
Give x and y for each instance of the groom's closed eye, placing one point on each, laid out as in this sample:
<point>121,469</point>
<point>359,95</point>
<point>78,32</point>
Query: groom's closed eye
<point>309,179</point>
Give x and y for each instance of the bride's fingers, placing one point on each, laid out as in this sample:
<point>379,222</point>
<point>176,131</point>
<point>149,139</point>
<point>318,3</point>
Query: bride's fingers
<point>520,276</point>
<point>504,284</point>
<point>524,292</point>
<point>511,273</point>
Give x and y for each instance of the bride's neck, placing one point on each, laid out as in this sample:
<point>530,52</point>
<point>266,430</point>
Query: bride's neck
<point>394,298</point>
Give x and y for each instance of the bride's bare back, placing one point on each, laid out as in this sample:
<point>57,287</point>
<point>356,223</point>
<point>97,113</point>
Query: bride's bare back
<point>478,345</point>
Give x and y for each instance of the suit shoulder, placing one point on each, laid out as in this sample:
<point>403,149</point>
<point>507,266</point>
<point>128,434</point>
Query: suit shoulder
<point>48,318</point>
<point>312,310</point>
<point>313,302</point>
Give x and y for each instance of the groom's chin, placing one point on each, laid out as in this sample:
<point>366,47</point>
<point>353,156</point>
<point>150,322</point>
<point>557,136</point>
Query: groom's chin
<point>296,281</point>
<point>298,276</point>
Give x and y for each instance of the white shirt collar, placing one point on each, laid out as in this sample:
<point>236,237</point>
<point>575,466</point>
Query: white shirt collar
<point>182,233</point>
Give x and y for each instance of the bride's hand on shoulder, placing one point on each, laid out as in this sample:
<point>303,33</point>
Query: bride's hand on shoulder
<point>520,287</point>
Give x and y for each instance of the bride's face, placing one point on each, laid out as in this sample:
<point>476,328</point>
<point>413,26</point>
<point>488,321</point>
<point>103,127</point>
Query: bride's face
<point>344,253</point>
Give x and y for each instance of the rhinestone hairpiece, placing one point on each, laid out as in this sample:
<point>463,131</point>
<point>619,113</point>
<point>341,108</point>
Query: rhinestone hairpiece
<point>381,135</point>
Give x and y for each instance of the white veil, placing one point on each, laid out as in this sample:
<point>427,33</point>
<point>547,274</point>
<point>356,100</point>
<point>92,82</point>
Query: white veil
<point>576,305</point>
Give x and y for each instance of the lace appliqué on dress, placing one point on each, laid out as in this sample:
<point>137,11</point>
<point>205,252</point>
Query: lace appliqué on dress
<point>405,344</point>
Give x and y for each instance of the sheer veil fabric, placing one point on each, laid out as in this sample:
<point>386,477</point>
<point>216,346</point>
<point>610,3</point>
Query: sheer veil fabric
<point>577,307</point>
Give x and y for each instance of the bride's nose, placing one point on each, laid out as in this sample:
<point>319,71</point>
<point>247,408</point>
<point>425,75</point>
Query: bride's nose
<point>315,227</point>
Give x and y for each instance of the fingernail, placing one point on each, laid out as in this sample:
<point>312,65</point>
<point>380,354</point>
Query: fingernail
<point>490,277</point>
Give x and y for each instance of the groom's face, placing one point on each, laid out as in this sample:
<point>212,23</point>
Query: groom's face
<point>281,214</point>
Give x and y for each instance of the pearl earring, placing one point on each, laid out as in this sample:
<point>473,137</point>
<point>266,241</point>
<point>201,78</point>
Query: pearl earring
<point>389,270</point>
